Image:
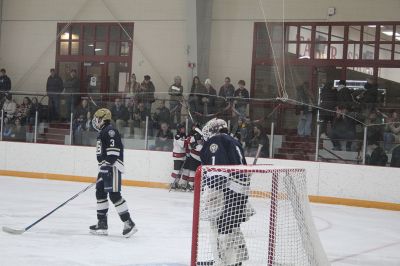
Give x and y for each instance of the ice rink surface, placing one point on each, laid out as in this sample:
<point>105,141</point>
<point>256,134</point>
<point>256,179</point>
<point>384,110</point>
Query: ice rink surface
<point>350,236</point>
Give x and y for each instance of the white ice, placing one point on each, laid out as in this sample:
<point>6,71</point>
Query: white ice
<point>350,236</point>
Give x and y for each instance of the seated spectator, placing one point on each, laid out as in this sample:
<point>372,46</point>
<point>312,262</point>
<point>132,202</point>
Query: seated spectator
<point>395,161</point>
<point>9,109</point>
<point>343,128</point>
<point>139,115</point>
<point>375,131</point>
<point>82,110</point>
<point>241,98</point>
<point>35,106</point>
<point>258,136</point>
<point>378,156</point>
<point>392,131</point>
<point>23,110</point>
<point>120,115</point>
<point>164,138</point>
<point>162,115</point>
<point>18,131</point>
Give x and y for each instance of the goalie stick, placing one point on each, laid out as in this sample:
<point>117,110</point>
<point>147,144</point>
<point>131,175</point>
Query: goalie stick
<point>21,231</point>
<point>258,153</point>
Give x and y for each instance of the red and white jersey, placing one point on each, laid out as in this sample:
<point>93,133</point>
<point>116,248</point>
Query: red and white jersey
<point>195,149</point>
<point>179,150</point>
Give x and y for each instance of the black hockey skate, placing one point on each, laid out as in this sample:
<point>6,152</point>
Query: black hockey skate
<point>129,228</point>
<point>100,228</point>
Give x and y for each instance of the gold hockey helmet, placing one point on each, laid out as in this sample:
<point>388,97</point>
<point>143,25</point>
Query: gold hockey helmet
<point>100,117</point>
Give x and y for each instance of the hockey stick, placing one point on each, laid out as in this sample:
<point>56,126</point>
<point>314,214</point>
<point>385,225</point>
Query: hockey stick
<point>21,231</point>
<point>258,153</point>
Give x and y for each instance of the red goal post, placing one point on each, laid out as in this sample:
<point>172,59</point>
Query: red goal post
<point>275,226</point>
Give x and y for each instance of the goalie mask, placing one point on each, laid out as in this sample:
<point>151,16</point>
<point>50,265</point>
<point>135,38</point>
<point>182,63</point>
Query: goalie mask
<point>214,127</point>
<point>100,117</point>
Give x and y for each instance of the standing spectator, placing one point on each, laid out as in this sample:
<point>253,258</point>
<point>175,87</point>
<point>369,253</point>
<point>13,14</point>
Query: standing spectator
<point>147,93</point>
<point>23,110</point>
<point>9,109</point>
<point>54,87</point>
<point>343,128</point>
<point>226,94</point>
<point>305,119</point>
<point>164,138</point>
<point>132,87</point>
<point>370,96</point>
<point>241,98</point>
<point>328,105</point>
<point>392,130</point>
<point>344,97</point>
<point>209,99</point>
<point>175,106</point>
<point>162,115</point>
<point>35,106</point>
<point>5,84</point>
<point>71,89</point>
<point>197,91</point>
<point>120,115</point>
<point>227,90</point>
<point>375,128</point>
<point>258,136</point>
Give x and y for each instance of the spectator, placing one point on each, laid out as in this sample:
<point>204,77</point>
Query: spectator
<point>392,130</point>
<point>375,128</point>
<point>378,156</point>
<point>120,115</point>
<point>23,110</point>
<point>258,136</point>
<point>328,104</point>
<point>395,161</point>
<point>147,93</point>
<point>370,95</point>
<point>35,106</point>
<point>17,131</point>
<point>9,109</point>
<point>162,115</point>
<point>175,106</point>
<point>241,98</point>
<point>343,128</point>
<point>132,87</point>
<point>139,115</point>
<point>72,88</point>
<point>344,97</point>
<point>305,110</point>
<point>82,110</point>
<point>54,87</point>
<point>5,84</point>
<point>242,130</point>
<point>197,91</point>
<point>227,90</point>
<point>209,99</point>
<point>164,138</point>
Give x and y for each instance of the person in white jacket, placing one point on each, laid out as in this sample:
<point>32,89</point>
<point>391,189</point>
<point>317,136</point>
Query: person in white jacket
<point>9,109</point>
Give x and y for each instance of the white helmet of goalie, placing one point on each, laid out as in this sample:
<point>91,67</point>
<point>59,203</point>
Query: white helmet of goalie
<point>213,127</point>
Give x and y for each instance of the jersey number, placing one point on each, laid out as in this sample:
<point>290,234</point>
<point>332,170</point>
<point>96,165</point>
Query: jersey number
<point>112,143</point>
<point>98,147</point>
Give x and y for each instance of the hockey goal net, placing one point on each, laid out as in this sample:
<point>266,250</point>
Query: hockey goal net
<point>253,215</point>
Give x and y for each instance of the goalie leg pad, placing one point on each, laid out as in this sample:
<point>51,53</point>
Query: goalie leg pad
<point>232,248</point>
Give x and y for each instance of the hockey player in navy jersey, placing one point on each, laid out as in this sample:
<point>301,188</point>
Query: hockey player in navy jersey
<point>110,157</point>
<point>230,191</point>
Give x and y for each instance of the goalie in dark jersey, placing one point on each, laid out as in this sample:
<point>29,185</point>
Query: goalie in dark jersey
<point>225,194</point>
<point>110,157</point>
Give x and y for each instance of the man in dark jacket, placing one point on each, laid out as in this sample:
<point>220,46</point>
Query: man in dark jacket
<point>242,98</point>
<point>120,115</point>
<point>328,105</point>
<point>5,85</point>
<point>54,87</point>
<point>71,87</point>
<point>370,98</point>
<point>344,95</point>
